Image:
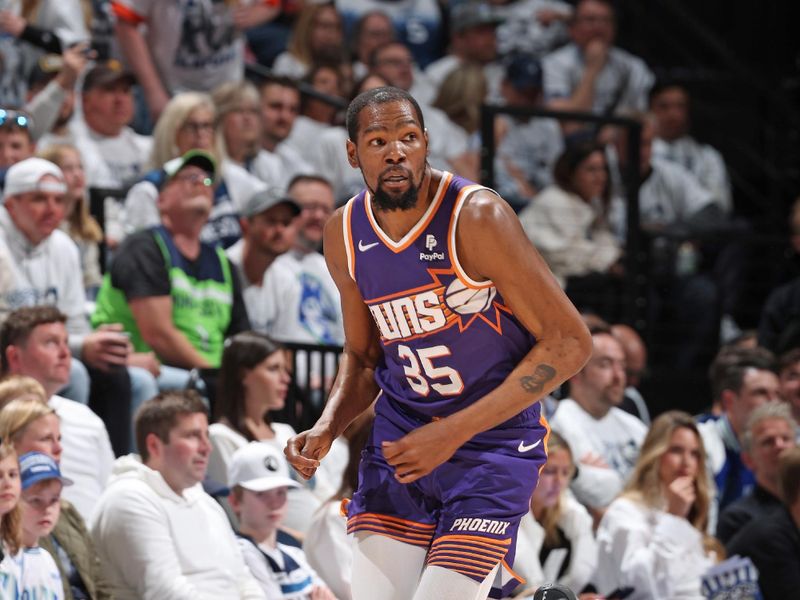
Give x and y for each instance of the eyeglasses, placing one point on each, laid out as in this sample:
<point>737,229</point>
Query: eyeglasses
<point>197,127</point>
<point>194,179</point>
<point>14,118</point>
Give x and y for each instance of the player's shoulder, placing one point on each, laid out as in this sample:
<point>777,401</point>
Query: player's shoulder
<point>484,207</point>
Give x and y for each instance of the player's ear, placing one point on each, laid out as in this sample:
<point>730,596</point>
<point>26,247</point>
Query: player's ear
<point>352,157</point>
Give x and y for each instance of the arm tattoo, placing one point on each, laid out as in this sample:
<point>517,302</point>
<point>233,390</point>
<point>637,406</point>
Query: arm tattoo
<point>534,384</point>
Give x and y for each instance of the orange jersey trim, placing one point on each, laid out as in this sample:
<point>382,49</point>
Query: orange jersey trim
<point>468,551</point>
<point>543,422</point>
<point>474,539</point>
<point>512,572</point>
<point>396,520</point>
<point>451,240</point>
<point>347,234</point>
<point>424,221</point>
<point>127,14</point>
<point>467,558</point>
<point>462,568</point>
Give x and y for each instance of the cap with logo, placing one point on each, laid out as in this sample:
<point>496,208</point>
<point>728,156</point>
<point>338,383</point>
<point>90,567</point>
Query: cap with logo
<point>258,467</point>
<point>267,198</point>
<point>37,466</point>
<point>197,158</point>
<point>472,13</point>
<point>106,74</point>
<point>26,176</point>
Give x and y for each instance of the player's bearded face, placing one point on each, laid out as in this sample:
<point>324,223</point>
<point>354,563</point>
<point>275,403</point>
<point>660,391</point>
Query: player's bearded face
<point>387,198</point>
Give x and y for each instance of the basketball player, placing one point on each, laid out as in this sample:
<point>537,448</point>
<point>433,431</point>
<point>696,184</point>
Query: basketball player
<point>455,323</point>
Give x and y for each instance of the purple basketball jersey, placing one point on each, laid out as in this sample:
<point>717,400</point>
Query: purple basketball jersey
<point>447,340</point>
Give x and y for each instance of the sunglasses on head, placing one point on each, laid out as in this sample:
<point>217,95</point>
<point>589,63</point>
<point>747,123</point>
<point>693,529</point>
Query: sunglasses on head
<point>14,118</point>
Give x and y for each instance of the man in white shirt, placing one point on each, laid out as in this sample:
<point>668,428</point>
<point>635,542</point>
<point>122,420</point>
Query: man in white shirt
<point>591,74</point>
<point>158,534</point>
<point>604,439</point>
<point>33,342</point>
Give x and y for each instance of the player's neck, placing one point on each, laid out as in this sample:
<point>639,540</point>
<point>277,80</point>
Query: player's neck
<point>397,223</point>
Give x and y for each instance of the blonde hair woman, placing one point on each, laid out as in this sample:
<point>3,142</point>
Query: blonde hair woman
<point>653,537</point>
<point>10,521</point>
<point>15,387</point>
<point>556,522</point>
<point>30,424</point>
<point>317,36</point>
<point>189,122</point>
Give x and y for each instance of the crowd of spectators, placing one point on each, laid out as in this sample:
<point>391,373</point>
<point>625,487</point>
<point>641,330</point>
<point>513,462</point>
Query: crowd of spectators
<point>198,256</point>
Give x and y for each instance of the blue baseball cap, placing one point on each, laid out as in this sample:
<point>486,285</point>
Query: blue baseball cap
<point>37,466</point>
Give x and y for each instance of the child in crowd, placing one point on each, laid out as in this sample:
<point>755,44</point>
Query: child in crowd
<point>41,505</point>
<point>259,483</point>
<point>10,531</point>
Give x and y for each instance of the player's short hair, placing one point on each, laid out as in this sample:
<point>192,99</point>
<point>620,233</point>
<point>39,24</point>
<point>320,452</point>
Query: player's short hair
<point>789,475</point>
<point>381,95</point>
<point>730,365</point>
<point>159,415</point>
<point>19,325</point>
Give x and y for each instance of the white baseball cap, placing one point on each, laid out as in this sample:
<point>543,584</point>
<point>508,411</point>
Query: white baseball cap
<point>259,467</point>
<point>26,176</point>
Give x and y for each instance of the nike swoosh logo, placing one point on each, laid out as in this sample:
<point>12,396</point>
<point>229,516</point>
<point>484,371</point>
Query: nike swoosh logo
<point>524,448</point>
<point>364,247</point>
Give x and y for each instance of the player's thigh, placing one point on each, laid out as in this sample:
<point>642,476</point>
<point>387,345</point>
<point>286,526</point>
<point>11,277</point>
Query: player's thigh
<point>384,568</point>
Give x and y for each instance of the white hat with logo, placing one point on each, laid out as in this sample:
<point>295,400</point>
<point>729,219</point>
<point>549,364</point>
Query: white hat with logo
<point>26,176</point>
<point>259,467</point>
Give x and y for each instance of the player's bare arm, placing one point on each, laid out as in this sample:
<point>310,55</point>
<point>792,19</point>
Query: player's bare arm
<point>354,389</point>
<point>492,246</point>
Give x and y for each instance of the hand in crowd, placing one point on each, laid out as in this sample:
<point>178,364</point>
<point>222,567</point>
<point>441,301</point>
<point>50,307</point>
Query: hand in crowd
<point>11,23</point>
<point>680,496</point>
<point>320,592</point>
<point>145,360</point>
<point>306,449</point>
<point>245,17</point>
<point>156,99</point>
<point>421,451</point>
<point>74,60</point>
<point>596,55</point>
<point>105,348</point>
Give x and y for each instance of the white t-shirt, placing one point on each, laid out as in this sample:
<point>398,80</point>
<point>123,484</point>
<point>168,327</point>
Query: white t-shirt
<point>294,578</point>
<point>328,548</point>
<point>304,139</point>
<point>193,44</point>
<point>111,162</point>
<point>624,78</point>
<point>87,457</point>
<point>616,438</point>
<point>10,575</point>
<point>523,32</point>
<point>658,554</point>
<point>40,576</point>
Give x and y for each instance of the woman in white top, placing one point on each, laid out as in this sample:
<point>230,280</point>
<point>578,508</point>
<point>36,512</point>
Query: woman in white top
<point>555,543</point>
<point>10,522</point>
<point>253,380</point>
<point>652,538</point>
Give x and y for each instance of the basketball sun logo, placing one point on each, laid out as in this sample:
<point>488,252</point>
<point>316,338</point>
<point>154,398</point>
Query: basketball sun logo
<point>439,305</point>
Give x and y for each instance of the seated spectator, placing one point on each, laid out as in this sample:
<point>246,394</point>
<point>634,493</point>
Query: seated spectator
<point>373,29</point>
<point>40,502</point>
<point>78,224</point>
<point>556,526</point>
<point>789,376</point>
<point>238,107</point>
<point>773,541</point>
<point>173,293</point>
<point>10,522</point>
<point>743,380</point>
<point>527,148</point>
<point>260,483</point>
<point>635,369</point>
<point>279,162</point>
<point>653,537</point>
<point>47,271</point>
<point>590,74</point>
<point>253,380</point>
<point>194,46</point>
<point>158,534</point>
<point>33,342</point>
<point>189,122</point>
<point>31,426</point>
<point>770,431</point>
<point>327,544</point>
<point>534,27</point>
<point>604,439</point>
<point>317,36</point>
<point>115,156</point>
<point>669,103</point>
<point>268,223</point>
<point>473,25</point>
<point>568,224</point>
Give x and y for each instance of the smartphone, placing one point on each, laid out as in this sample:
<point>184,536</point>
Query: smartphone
<point>620,593</point>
